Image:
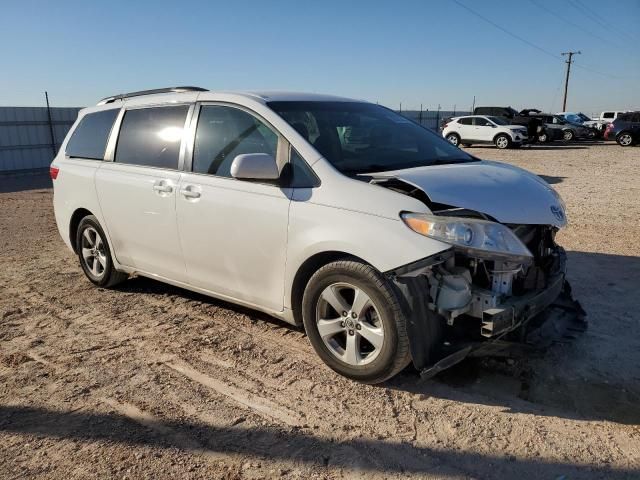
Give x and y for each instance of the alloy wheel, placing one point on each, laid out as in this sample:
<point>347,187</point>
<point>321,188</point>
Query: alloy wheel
<point>453,139</point>
<point>625,139</point>
<point>349,324</point>
<point>502,142</point>
<point>93,252</point>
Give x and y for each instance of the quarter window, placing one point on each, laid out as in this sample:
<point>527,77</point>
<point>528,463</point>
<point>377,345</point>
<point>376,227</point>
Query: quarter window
<point>223,133</point>
<point>466,121</point>
<point>299,173</point>
<point>89,139</point>
<point>151,136</point>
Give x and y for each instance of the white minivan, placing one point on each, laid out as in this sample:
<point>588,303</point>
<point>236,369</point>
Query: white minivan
<point>387,243</point>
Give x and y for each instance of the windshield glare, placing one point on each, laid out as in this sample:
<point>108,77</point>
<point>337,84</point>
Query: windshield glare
<point>358,137</point>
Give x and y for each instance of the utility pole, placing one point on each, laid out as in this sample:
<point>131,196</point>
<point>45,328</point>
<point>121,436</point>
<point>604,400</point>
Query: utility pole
<point>566,80</point>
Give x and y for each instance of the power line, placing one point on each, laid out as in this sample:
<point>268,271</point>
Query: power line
<point>569,22</point>
<point>511,34</point>
<point>597,18</point>
<point>533,45</point>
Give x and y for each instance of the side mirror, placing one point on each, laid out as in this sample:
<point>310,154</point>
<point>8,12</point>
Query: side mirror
<point>255,166</point>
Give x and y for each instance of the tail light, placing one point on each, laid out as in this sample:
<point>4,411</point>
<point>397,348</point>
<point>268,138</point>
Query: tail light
<point>53,172</point>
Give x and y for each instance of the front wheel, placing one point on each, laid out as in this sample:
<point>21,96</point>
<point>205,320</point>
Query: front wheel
<point>454,139</point>
<point>624,139</point>
<point>543,137</point>
<point>568,135</point>
<point>354,322</point>
<point>95,255</point>
<point>502,141</point>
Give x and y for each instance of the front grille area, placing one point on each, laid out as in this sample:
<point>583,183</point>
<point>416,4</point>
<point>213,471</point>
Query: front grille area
<point>540,240</point>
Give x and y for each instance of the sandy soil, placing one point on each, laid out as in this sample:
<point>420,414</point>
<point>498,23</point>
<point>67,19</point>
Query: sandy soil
<point>150,381</point>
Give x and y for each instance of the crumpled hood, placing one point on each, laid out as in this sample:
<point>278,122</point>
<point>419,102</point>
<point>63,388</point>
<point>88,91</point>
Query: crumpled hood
<point>507,193</point>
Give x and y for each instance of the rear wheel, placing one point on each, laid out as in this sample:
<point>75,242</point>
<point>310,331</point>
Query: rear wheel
<point>543,137</point>
<point>624,139</point>
<point>94,254</point>
<point>568,135</point>
<point>454,139</point>
<point>502,141</point>
<point>354,322</point>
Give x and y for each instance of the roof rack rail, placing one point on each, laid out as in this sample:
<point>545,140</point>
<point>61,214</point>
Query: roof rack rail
<point>122,96</point>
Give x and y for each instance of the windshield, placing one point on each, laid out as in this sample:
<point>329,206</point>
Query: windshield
<point>498,120</point>
<point>584,117</point>
<point>358,137</point>
<point>573,118</point>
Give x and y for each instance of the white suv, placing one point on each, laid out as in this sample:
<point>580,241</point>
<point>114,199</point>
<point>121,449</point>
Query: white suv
<point>386,242</point>
<point>484,129</point>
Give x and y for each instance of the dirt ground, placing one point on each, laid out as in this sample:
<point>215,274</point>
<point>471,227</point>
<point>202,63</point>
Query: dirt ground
<point>150,381</point>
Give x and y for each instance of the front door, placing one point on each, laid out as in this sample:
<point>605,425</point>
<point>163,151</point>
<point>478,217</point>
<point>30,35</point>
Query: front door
<point>484,129</point>
<point>137,191</point>
<point>233,232</point>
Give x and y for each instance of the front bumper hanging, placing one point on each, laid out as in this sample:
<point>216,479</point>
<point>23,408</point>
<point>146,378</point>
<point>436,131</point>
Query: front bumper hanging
<point>541,325</point>
<point>522,325</point>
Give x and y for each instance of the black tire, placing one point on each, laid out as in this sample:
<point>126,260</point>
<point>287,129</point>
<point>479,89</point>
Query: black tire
<point>543,137</point>
<point>393,355</point>
<point>453,139</point>
<point>502,141</point>
<point>624,139</point>
<point>568,135</point>
<point>103,274</point>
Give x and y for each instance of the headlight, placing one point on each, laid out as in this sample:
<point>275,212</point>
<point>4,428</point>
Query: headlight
<point>480,238</point>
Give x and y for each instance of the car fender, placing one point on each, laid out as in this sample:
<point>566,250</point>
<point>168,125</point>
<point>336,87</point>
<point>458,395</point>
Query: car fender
<point>384,243</point>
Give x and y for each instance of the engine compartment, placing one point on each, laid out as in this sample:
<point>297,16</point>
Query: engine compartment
<point>489,290</point>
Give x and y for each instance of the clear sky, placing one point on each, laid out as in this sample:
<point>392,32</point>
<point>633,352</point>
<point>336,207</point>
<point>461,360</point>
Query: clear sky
<point>429,52</point>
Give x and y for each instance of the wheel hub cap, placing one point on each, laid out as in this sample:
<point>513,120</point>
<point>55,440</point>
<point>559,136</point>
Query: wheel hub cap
<point>93,253</point>
<point>349,324</point>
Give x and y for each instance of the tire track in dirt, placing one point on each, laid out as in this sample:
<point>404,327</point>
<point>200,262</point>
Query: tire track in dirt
<point>242,395</point>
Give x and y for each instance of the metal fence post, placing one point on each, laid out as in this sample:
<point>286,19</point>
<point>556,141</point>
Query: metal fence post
<point>53,138</point>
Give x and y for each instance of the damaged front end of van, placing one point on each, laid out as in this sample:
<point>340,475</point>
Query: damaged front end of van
<point>501,287</point>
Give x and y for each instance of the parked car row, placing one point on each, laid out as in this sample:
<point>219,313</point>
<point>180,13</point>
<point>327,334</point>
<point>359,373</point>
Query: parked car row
<point>505,127</point>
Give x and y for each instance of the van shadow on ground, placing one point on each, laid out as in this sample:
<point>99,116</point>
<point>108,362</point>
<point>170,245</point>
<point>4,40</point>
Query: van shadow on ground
<point>296,446</point>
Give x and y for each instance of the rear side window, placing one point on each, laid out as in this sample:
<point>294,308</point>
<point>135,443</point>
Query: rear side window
<point>226,132</point>
<point>607,115</point>
<point>89,139</point>
<point>151,136</point>
<point>466,121</point>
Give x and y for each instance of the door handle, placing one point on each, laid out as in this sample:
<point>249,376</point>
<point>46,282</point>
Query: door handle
<point>190,192</point>
<point>163,188</point>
